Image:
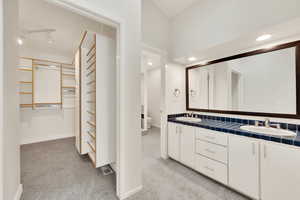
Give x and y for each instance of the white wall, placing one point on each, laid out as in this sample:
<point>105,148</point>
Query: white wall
<point>11,138</point>
<point>129,13</point>
<point>155,26</point>
<point>46,124</point>
<point>214,22</point>
<point>175,78</point>
<point>154,95</point>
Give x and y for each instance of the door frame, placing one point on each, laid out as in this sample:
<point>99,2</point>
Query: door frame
<point>111,20</point>
<point>163,112</point>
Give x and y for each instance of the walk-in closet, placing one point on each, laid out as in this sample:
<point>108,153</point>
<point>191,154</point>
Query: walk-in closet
<point>67,90</point>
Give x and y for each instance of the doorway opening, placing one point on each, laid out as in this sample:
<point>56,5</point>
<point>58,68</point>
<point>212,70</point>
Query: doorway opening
<point>68,117</point>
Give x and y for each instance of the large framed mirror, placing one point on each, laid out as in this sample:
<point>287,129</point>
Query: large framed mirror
<point>263,82</point>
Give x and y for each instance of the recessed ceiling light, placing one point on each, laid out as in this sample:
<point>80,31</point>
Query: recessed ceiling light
<point>20,41</point>
<point>150,63</point>
<point>264,37</point>
<point>192,59</point>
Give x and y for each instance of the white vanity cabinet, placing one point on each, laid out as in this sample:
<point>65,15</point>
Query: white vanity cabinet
<point>280,177</point>
<point>181,141</point>
<point>243,165</point>
<point>173,141</point>
<point>187,145</point>
<point>211,154</point>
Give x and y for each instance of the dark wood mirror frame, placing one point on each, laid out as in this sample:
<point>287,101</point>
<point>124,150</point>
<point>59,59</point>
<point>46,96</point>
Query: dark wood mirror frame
<point>247,54</point>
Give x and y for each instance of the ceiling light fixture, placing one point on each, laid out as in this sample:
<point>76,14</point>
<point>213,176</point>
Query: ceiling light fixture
<point>150,63</point>
<point>192,59</point>
<point>263,37</point>
<point>20,41</point>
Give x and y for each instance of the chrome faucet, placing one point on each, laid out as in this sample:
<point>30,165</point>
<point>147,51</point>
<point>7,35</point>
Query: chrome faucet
<point>267,123</point>
<point>191,114</point>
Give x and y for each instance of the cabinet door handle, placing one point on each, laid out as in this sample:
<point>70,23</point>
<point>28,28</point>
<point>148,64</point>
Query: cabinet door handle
<point>265,151</point>
<point>253,149</point>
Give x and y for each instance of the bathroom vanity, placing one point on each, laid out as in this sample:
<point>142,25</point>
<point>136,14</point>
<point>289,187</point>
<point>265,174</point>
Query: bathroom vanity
<point>257,165</point>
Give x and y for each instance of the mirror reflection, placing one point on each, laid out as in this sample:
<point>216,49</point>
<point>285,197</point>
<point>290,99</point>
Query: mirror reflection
<point>263,83</point>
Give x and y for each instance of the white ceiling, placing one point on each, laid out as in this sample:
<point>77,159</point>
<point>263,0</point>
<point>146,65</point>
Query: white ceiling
<point>39,14</point>
<point>174,7</point>
<point>281,33</point>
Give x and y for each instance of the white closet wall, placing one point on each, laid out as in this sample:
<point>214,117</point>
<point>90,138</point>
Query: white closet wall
<point>41,122</point>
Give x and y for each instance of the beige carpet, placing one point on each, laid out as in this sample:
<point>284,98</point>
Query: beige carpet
<point>54,171</point>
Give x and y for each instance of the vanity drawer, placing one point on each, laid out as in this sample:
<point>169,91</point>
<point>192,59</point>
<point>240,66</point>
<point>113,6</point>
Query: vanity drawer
<point>212,151</point>
<point>211,168</point>
<point>212,136</point>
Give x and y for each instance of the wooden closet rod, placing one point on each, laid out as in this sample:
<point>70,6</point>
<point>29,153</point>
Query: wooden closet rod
<point>24,69</point>
<point>42,60</point>
<point>25,82</point>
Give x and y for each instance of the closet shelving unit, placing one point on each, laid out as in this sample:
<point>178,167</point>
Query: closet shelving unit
<point>94,63</point>
<point>25,83</point>
<point>68,85</point>
<point>90,73</point>
<point>28,79</point>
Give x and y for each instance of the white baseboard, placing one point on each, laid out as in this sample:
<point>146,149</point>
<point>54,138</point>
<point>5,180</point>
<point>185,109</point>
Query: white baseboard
<point>130,193</point>
<point>19,192</point>
<point>46,138</point>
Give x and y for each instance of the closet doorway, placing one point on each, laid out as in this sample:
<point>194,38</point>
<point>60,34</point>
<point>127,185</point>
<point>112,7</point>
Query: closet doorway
<point>68,103</point>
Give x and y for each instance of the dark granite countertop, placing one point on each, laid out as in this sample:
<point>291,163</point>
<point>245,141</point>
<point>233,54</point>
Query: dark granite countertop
<point>234,128</point>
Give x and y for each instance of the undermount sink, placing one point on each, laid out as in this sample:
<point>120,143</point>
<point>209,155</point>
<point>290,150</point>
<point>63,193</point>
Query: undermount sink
<point>188,119</point>
<point>269,131</point>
